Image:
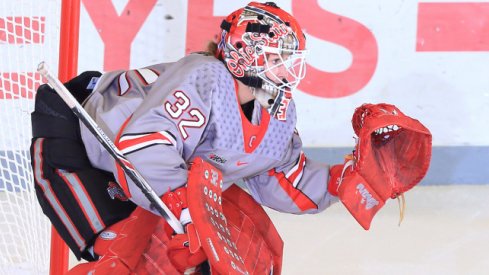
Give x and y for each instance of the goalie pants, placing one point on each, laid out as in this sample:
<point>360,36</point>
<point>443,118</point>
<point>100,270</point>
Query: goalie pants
<point>80,200</point>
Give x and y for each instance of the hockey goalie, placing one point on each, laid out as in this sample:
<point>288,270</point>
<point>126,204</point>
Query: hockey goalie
<point>193,129</point>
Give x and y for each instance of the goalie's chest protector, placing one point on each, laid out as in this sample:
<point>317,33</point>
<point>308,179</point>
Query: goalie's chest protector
<point>238,147</point>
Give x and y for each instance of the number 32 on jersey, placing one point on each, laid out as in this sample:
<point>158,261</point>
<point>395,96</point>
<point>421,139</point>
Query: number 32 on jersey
<point>180,109</point>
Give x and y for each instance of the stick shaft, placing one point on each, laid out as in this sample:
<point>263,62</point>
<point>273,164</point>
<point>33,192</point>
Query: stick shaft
<point>107,143</point>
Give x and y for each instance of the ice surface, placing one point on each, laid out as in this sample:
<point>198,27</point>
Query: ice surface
<point>445,231</point>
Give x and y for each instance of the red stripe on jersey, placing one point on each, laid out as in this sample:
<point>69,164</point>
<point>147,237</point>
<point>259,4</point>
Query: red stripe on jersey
<point>22,29</point>
<point>121,176</point>
<point>152,138</point>
<point>302,201</point>
<point>19,85</point>
<point>297,170</point>
<point>141,78</point>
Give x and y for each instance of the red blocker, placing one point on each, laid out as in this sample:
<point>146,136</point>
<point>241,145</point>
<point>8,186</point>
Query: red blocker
<point>235,232</point>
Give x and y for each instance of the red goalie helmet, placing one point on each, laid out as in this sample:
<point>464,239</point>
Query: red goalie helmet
<point>249,36</point>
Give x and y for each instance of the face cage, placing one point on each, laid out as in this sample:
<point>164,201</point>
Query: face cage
<point>293,61</point>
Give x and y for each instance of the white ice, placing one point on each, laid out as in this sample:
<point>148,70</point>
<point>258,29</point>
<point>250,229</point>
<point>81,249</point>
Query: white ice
<point>445,231</point>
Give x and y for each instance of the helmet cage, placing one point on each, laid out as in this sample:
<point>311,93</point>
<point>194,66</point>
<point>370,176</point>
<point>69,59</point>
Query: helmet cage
<point>252,35</point>
<point>292,61</point>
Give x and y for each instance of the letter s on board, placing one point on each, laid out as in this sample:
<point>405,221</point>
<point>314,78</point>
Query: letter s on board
<point>342,31</point>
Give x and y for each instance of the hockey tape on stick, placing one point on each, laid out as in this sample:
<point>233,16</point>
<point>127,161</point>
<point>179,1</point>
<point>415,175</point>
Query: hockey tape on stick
<point>124,163</point>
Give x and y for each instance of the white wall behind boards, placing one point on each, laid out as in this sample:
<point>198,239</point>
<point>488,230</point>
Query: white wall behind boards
<point>447,90</point>
<point>429,58</point>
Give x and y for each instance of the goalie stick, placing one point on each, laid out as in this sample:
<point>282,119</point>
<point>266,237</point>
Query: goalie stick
<point>124,163</point>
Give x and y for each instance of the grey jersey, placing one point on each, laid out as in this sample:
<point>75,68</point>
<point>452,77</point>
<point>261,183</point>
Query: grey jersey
<point>163,116</point>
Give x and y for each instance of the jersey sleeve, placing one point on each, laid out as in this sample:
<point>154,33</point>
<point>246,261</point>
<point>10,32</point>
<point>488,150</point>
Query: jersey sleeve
<point>298,185</point>
<point>159,138</point>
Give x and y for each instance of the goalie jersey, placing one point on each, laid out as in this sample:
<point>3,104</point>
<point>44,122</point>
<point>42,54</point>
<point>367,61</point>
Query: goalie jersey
<point>163,116</point>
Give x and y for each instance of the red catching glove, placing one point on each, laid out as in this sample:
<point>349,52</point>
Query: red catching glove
<point>392,155</point>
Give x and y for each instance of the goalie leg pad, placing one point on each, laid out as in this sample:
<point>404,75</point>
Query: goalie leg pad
<point>128,238</point>
<point>256,232</point>
<point>136,245</point>
<point>105,265</point>
<point>235,232</point>
<point>155,259</point>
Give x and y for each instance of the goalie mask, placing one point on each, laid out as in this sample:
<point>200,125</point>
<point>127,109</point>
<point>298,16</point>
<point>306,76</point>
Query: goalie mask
<point>264,48</point>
